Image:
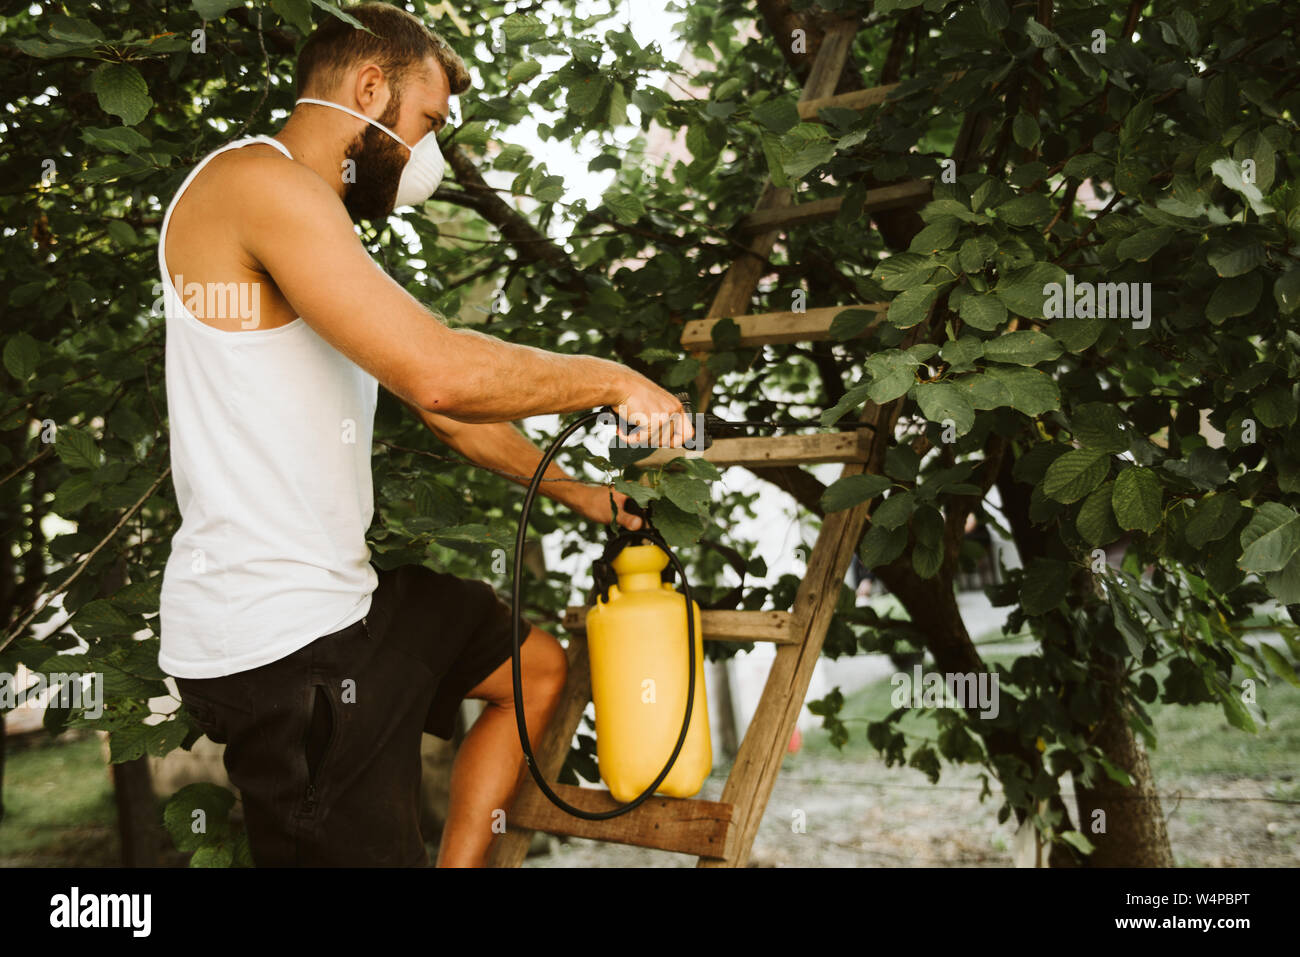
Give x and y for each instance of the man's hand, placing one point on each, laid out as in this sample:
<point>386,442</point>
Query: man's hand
<point>594,504</point>
<point>662,420</point>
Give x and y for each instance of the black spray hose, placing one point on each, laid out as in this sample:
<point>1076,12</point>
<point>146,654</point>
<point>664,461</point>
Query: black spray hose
<point>709,422</point>
<point>515,603</point>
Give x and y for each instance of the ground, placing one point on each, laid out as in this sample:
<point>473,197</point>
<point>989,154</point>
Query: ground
<point>1231,800</point>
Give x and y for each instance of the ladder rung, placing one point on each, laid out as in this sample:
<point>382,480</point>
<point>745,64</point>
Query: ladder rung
<point>855,100</point>
<point>774,626</point>
<point>911,193</point>
<point>773,450</point>
<point>774,328</point>
<point>684,825</point>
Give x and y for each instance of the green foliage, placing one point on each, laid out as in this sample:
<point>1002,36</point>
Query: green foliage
<point>1169,159</point>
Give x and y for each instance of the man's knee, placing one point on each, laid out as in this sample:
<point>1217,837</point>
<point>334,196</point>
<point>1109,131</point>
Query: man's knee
<point>545,665</point>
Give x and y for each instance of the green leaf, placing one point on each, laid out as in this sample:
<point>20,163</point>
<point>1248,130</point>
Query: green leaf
<point>21,355</point>
<point>75,494</point>
<point>190,831</point>
<point>892,374</point>
<point>295,12</point>
<point>1100,426</point>
<point>1026,210</point>
<point>1077,334</point>
<point>1212,518</point>
<point>1230,173</point>
<point>1033,391</point>
<point>122,92</point>
<point>1024,291</point>
<point>985,312</point>
<point>881,545</point>
<point>1137,499</point>
<point>1127,624</point>
<point>852,490</point>
<point>808,159</point>
<point>626,207</point>
<point>927,527</point>
<point>1095,522</point>
<point>912,305</point>
<point>1275,407</point>
<point>1025,131</point>
<point>935,237</point>
<point>212,9</point>
<point>1284,585</point>
<point>522,72</point>
<point>1235,254</point>
<point>120,139</point>
<point>779,115</point>
<point>1286,291</point>
<point>1044,585</point>
<point>974,253</point>
<point>1078,841</point>
<point>680,529</point>
<point>688,494</point>
<point>1075,474</point>
<point>77,449</point>
<point>1144,244</point>
<point>1235,711</point>
<point>894,511</point>
<point>851,400</point>
<point>984,391</point>
<point>852,323</point>
<point>1026,347</point>
<point>523,28</point>
<point>943,401</point>
<point>99,618</point>
<point>903,271</point>
<point>960,353</point>
<point>1268,541</point>
<point>585,93</point>
<point>1235,297</point>
<point>1281,667</point>
<point>75,30</point>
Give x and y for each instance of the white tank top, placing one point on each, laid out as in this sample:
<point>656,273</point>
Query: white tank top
<point>270,451</point>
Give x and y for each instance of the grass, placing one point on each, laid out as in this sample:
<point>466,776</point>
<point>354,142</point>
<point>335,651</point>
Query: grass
<point>1192,740</point>
<point>59,807</point>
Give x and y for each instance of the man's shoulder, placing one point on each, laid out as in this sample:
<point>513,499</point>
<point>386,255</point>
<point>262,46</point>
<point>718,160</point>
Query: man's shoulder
<point>259,172</point>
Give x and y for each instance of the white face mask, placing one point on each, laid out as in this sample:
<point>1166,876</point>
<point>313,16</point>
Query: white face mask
<point>424,168</point>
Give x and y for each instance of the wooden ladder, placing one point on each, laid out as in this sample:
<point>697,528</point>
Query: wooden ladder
<point>722,832</point>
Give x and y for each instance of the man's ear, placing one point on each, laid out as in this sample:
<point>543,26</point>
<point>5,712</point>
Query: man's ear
<point>371,89</point>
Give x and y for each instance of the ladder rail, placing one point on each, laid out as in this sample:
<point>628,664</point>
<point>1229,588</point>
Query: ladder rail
<point>721,833</point>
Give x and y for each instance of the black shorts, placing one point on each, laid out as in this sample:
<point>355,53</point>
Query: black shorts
<point>324,744</point>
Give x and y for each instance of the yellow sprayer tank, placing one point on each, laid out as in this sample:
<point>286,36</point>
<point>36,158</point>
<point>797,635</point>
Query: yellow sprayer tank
<point>637,645</point>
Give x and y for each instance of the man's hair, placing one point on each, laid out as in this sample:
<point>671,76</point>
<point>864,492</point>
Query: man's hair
<point>398,43</point>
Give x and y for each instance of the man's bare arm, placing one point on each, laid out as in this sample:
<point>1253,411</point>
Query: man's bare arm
<point>501,446</point>
<point>298,231</point>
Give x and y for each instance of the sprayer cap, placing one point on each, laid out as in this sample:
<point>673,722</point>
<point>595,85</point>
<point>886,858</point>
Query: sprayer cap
<point>635,559</point>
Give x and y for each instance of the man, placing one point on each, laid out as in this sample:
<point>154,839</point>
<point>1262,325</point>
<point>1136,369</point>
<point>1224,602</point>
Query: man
<point>317,671</point>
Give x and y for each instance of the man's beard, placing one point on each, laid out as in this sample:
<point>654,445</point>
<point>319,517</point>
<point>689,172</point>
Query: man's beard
<point>378,162</point>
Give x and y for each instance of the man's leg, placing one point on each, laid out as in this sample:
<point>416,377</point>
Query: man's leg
<point>489,760</point>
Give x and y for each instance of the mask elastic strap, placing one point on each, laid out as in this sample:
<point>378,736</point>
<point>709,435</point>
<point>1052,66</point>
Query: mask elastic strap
<point>360,116</point>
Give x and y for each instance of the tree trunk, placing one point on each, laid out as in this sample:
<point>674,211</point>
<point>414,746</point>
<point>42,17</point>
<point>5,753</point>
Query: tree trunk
<point>1127,824</point>
<point>1134,832</point>
<point>724,708</point>
<point>137,812</point>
